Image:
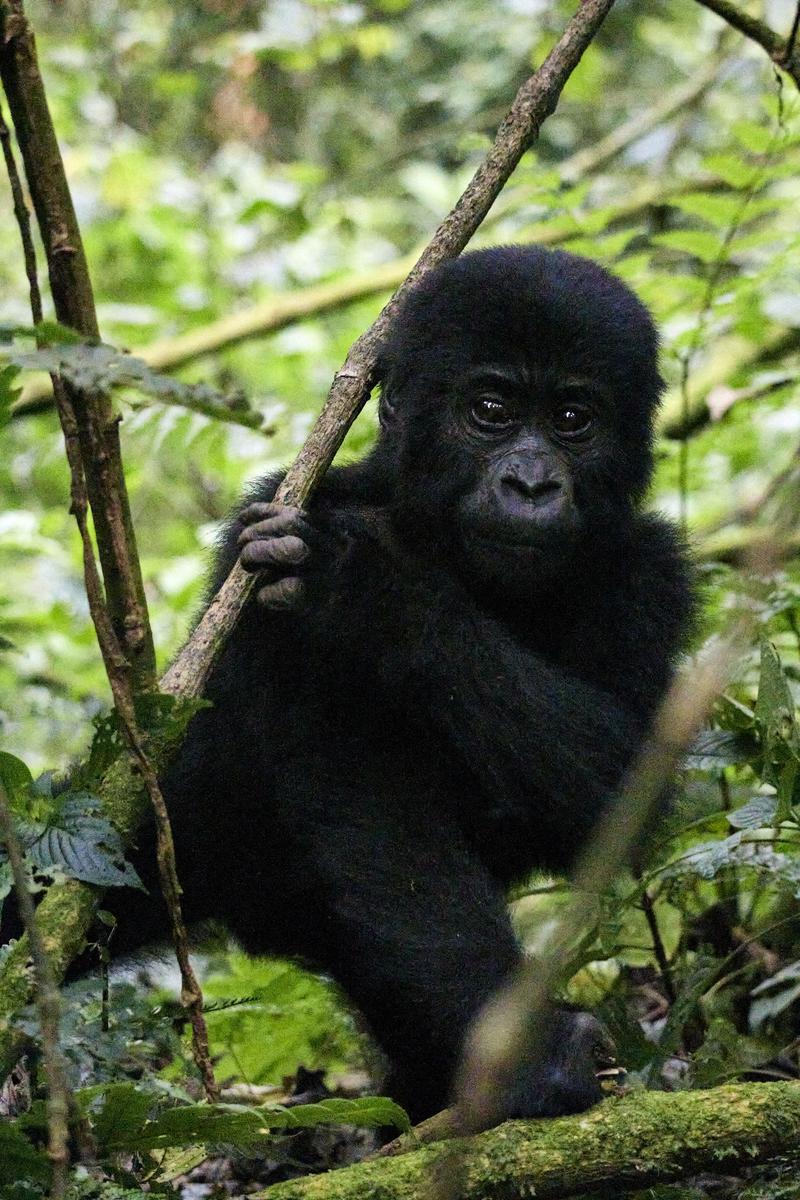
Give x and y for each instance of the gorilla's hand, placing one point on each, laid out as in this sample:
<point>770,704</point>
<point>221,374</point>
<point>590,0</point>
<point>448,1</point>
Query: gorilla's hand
<point>283,545</point>
<point>566,1077</point>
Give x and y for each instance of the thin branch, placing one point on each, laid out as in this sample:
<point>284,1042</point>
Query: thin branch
<point>659,950</point>
<point>74,304</point>
<point>782,51</point>
<point>117,670</point>
<point>85,420</point>
<point>791,41</point>
<point>592,158</point>
<point>23,219</point>
<point>60,1102</point>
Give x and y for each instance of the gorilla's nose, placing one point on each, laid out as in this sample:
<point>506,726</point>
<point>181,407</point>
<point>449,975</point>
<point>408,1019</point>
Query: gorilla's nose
<point>534,480</point>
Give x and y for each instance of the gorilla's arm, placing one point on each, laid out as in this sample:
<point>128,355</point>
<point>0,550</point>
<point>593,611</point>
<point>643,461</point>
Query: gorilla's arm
<point>548,745</point>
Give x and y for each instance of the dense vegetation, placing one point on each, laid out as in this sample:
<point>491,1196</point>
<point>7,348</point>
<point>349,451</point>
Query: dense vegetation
<point>225,155</point>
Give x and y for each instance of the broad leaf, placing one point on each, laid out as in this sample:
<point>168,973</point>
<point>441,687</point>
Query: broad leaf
<point>758,813</point>
<point>80,842</point>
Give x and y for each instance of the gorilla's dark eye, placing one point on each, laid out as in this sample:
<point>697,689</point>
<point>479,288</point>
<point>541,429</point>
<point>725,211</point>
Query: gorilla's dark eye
<point>491,412</point>
<point>572,419</point>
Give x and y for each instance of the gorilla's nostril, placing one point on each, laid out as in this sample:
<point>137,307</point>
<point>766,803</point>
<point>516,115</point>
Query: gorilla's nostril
<point>540,490</point>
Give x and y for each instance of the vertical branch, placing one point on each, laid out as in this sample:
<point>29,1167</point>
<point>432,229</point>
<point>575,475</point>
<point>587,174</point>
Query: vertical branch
<point>74,304</point>
<point>92,459</point>
<point>117,670</point>
<point>59,1097</point>
<point>22,217</point>
<point>659,949</point>
<point>791,41</point>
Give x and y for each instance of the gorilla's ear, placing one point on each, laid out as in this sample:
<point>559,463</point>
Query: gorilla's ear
<point>387,408</point>
<point>387,404</point>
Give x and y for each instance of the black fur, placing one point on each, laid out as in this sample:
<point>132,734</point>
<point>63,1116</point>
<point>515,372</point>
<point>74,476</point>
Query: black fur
<point>462,646</point>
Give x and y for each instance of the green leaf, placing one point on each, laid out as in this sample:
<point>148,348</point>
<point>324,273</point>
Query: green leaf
<point>758,813</point>
<point>14,774</point>
<point>758,139</point>
<point>372,1111</point>
<point>78,840</point>
<point>121,1117</point>
<point>718,748</point>
<point>9,392</point>
<point>124,1124</point>
<point>720,210</point>
<point>708,859</point>
<point>18,1158</point>
<point>699,244</point>
<point>787,782</point>
<point>6,882</point>
<point>775,994</point>
<point>736,172</point>
<point>242,1125</point>
<point>774,709</point>
<point>46,333</point>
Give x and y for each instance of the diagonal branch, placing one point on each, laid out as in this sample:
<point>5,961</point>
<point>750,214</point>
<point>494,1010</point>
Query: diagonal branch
<point>783,51</point>
<point>353,383</point>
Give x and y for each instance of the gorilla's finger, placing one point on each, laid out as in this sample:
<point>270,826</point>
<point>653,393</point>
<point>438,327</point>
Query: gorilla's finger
<point>274,552</point>
<point>286,594</point>
<point>260,511</point>
<point>279,526</point>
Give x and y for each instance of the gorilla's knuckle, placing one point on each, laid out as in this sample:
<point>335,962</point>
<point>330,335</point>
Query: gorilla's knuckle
<point>290,550</point>
<point>259,510</point>
<point>285,594</point>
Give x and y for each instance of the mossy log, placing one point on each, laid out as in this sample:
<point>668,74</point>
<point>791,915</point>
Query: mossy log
<point>626,1143</point>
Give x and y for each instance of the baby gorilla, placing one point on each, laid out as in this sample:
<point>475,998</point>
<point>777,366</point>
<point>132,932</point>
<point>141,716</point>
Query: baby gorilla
<point>452,658</point>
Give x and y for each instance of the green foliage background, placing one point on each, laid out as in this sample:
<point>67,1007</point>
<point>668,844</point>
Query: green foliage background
<point>224,153</point>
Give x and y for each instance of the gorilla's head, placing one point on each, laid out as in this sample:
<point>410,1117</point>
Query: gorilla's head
<point>519,387</point>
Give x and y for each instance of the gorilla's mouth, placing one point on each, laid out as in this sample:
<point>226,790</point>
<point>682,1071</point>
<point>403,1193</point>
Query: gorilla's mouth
<point>552,538</point>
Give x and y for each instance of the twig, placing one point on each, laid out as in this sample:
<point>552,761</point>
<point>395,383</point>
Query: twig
<point>783,52</point>
<point>791,41</point>
<point>117,670</point>
<point>86,420</point>
<point>658,945</point>
<point>592,157</point>
<point>60,1102</point>
<point>23,220</point>
<point>74,305</point>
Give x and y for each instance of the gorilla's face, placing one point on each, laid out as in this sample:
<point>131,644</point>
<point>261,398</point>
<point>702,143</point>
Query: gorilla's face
<point>520,425</point>
<point>524,442</point>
